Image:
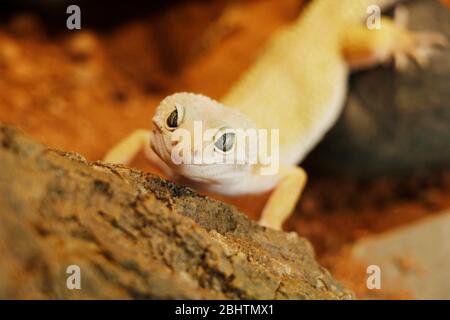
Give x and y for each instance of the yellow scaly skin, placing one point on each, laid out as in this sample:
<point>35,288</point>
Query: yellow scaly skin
<point>298,85</point>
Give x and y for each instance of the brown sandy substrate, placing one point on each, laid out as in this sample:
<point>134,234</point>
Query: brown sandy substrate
<point>83,91</point>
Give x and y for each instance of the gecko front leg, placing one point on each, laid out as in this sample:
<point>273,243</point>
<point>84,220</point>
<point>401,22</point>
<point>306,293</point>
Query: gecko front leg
<point>364,48</point>
<point>124,151</point>
<point>287,187</point>
<point>137,141</point>
<point>283,199</point>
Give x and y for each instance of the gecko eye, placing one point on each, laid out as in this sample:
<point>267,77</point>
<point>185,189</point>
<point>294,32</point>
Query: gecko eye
<point>175,117</point>
<point>224,140</point>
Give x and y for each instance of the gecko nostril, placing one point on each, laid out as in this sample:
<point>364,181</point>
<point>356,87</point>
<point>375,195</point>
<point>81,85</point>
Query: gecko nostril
<point>157,124</point>
<point>157,130</point>
<point>195,152</point>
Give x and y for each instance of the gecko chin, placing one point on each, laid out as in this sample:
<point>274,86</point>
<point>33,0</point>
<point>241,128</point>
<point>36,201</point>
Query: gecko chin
<point>211,174</point>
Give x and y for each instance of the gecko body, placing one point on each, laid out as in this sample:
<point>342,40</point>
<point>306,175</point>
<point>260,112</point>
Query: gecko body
<point>297,86</point>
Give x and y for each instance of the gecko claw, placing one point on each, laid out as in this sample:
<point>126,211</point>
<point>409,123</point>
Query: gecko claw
<point>417,46</point>
<point>424,46</point>
<point>401,17</point>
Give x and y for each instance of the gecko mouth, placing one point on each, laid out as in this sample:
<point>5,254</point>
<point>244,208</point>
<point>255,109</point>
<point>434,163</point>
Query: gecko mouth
<point>200,172</point>
<point>211,174</point>
<point>158,145</point>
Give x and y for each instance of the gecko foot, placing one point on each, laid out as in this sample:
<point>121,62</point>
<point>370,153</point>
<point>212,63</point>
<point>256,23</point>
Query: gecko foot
<point>416,46</point>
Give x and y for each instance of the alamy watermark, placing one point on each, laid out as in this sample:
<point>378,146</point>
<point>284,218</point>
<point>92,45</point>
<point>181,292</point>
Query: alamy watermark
<point>374,279</point>
<point>73,281</point>
<point>73,22</point>
<point>227,146</point>
<point>373,21</point>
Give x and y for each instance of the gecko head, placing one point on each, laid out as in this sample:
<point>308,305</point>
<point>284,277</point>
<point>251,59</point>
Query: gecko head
<point>197,138</point>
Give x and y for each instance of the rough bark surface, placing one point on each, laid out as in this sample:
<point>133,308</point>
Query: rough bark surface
<point>135,235</point>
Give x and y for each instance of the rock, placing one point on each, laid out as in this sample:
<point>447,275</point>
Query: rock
<point>25,26</point>
<point>82,45</point>
<point>134,235</point>
<point>395,122</point>
<point>414,259</point>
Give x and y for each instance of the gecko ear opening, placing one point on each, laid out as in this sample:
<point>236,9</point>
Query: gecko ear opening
<point>175,118</point>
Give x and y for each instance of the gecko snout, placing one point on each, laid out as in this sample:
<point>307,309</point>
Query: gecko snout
<point>156,124</point>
